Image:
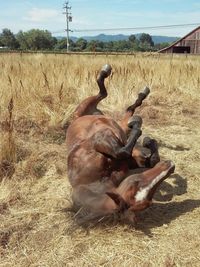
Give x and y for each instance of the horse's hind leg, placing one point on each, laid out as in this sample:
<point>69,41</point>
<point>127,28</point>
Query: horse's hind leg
<point>89,105</point>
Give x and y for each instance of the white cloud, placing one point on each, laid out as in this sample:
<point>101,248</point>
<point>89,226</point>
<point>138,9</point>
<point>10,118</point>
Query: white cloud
<point>41,15</point>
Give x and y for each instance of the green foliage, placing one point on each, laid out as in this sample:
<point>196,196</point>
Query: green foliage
<point>1,43</point>
<point>108,46</point>
<point>95,46</point>
<point>132,38</point>
<point>21,38</point>
<point>8,39</point>
<point>36,39</point>
<point>161,46</point>
<point>39,40</point>
<point>62,44</point>
<point>145,39</point>
<point>81,44</point>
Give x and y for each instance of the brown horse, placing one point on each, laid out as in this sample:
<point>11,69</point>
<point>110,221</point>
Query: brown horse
<point>102,154</point>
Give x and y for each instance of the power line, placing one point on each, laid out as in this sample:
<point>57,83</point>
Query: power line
<point>139,28</point>
<point>133,28</point>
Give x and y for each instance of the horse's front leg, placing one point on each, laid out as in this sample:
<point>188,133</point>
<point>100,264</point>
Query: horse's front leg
<point>126,121</point>
<point>135,133</point>
<point>154,157</point>
<point>106,142</point>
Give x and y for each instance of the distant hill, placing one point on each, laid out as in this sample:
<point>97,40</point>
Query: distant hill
<point>119,37</point>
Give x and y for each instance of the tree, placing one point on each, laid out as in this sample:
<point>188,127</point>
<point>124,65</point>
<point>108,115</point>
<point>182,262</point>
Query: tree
<point>62,44</point>
<point>38,40</point>
<point>95,46</point>
<point>108,46</point>
<point>146,39</point>
<point>134,42</point>
<point>8,39</point>
<point>161,46</point>
<point>81,44</point>
<point>21,38</point>
<point>121,46</point>
<point>132,38</point>
<point>1,44</point>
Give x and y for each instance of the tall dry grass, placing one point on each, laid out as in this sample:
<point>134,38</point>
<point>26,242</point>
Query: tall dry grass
<point>43,85</point>
<point>38,94</point>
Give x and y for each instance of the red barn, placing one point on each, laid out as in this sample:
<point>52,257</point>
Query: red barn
<point>188,44</point>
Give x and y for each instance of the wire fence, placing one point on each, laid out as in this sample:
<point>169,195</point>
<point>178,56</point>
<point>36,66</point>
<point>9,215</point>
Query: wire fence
<point>133,54</point>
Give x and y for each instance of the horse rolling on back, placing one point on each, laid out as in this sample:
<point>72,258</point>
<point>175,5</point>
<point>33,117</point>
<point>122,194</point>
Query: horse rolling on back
<point>102,154</point>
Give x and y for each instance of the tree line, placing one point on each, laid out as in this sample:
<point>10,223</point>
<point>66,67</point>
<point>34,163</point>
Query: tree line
<point>36,39</point>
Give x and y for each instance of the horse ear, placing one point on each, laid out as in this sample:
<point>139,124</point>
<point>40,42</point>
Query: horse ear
<point>119,201</point>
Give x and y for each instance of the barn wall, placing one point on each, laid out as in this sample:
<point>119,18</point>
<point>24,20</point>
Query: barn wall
<point>192,40</point>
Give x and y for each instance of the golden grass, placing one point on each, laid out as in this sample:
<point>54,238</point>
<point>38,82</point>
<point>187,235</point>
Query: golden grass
<point>35,227</point>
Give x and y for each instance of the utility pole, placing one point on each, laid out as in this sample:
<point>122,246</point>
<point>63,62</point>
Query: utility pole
<point>66,8</point>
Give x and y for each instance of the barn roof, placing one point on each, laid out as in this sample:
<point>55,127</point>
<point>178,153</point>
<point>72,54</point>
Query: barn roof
<point>179,40</point>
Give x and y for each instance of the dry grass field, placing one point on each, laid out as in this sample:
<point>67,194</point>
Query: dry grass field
<point>38,94</point>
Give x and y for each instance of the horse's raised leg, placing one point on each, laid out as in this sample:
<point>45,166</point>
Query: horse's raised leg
<point>107,143</point>
<point>135,133</point>
<point>89,105</point>
<point>154,157</point>
<point>126,121</point>
<point>145,155</point>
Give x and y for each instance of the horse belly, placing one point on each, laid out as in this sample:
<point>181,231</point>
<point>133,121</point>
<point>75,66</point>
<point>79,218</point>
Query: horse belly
<point>85,167</point>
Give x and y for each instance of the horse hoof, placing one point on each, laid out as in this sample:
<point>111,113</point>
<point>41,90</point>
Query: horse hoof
<point>135,122</point>
<point>145,91</point>
<point>107,69</point>
<point>150,143</point>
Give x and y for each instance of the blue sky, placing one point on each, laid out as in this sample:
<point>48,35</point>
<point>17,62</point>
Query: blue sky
<point>87,14</point>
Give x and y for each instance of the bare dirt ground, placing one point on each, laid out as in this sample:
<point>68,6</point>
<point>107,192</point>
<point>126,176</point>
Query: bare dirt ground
<point>36,228</point>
